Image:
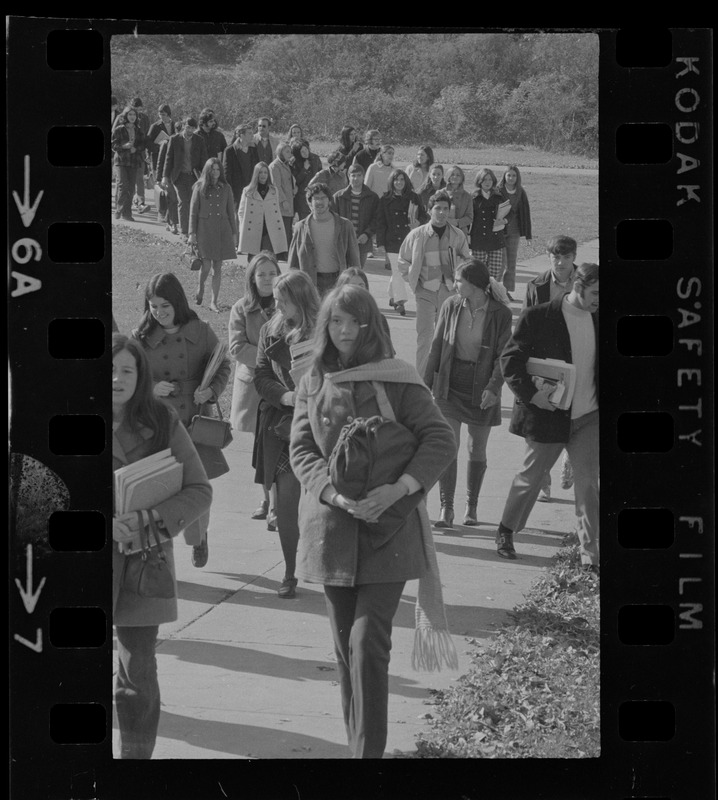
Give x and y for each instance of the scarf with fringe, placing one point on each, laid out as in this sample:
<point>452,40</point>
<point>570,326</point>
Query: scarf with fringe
<point>433,645</point>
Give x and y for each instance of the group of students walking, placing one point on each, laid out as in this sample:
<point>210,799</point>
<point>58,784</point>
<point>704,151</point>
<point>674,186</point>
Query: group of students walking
<point>465,351</point>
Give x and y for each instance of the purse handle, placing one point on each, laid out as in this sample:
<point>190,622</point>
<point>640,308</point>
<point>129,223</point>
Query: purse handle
<point>151,523</point>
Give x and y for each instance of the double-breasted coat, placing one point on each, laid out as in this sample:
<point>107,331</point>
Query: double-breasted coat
<point>282,178</point>
<point>245,322</point>
<point>254,213</point>
<point>336,549</point>
<point>487,373</point>
<point>179,511</point>
<point>212,219</point>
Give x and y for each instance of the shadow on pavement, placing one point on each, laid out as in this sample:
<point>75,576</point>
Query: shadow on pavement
<point>463,620</point>
<point>245,740</point>
<point>451,549</point>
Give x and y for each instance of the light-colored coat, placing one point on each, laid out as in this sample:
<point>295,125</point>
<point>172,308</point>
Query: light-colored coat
<point>179,511</point>
<point>281,175</point>
<point>253,212</point>
<point>411,252</point>
<point>245,321</point>
<point>334,548</point>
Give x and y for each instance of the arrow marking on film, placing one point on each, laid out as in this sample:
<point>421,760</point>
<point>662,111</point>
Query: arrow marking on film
<point>29,598</point>
<point>36,645</point>
<point>27,211</point>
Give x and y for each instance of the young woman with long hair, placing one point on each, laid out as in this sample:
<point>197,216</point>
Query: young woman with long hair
<point>246,319</point>
<point>178,346</point>
<point>212,226</point>
<point>297,305</point>
<point>464,374</point>
<point>141,426</point>
<point>400,209</point>
<point>128,144</point>
<point>261,226</point>
<point>349,145</point>
<point>518,221</point>
<point>419,169</point>
<point>461,213</point>
<point>363,572</point>
<point>433,183</point>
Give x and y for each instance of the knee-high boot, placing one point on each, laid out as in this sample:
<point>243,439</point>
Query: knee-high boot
<point>475,471</point>
<point>447,487</point>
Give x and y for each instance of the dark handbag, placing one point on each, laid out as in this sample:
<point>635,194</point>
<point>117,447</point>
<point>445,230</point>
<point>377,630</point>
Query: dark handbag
<point>148,573</point>
<point>191,258</point>
<point>370,452</point>
<point>161,196</point>
<point>210,431</point>
<point>283,428</point>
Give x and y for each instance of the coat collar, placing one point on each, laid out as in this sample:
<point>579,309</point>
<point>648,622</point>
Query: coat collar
<point>257,196</point>
<point>125,440</point>
<point>190,331</point>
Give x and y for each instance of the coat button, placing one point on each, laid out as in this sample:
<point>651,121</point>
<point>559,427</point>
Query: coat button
<point>326,420</point>
<point>350,419</point>
<point>180,522</point>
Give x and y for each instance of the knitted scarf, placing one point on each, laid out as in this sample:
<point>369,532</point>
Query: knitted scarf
<point>433,645</point>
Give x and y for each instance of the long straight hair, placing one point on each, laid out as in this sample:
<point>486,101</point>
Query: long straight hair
<point>406,191</point>
<point>298,288</point>
<point>429,157</point>
<point>143,409</point>
<point>167,286</point>
<point>250,287</point>
<point>252,186</point>
<point>429,184</point>
<point>385,148</point>
<point>205,179</point>
<point>502,183</point>
<point>372,344</point>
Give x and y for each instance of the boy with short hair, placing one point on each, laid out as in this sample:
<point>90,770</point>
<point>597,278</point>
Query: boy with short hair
<point>558,280</point>
<point>359,204</point>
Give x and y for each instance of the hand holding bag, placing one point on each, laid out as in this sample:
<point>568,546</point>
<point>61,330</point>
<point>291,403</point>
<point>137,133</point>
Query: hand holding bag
<point>370,452</point>
<point>210,431</point>
<point>191,258</point>
<point>148,573</point>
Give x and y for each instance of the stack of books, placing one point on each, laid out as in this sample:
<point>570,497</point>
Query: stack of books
<point>554,377</point>
<point>302,354</point>
<point>144,484</point>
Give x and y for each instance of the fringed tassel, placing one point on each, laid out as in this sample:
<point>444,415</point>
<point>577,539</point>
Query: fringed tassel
<point>432,649</point>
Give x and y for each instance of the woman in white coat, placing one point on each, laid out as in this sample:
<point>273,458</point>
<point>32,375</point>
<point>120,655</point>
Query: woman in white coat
<point>261,226</point>
<point>281,176</point>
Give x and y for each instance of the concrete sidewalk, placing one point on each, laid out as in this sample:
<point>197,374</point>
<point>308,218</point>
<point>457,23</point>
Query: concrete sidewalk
<point>244,674</point>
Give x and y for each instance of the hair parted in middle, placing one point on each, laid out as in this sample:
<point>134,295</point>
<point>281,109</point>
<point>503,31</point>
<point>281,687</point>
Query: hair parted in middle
<point>483,173</point>
<point>205,179</point>
<point>372,344</point>
<point>263,257</point>
<point>254,180</point>
<point>408,188</point>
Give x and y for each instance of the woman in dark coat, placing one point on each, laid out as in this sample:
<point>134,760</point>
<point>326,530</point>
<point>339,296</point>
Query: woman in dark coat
<point>433,183</point>
<point>400,210</point>
<point>486,243</point>
<point>178,346</point>
<point>304,165</point>
<point>363,570</point>
<point>213,226</point>
<point>518,221</point>
<point>464,374</point>
<point>141,426</point>
<point>349,145</point>
<point>297,305</point>
<point>129,144</point>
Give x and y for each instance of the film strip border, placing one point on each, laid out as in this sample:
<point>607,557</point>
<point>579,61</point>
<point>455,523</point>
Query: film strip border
<point>656,418</point>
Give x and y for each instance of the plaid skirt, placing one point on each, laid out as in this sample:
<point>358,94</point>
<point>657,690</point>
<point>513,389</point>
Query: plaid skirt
<point>494,260</point>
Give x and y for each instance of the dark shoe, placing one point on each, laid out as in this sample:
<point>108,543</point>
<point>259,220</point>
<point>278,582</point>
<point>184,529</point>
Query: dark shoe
<point>198,298</point>
<point>261,511</point>
<point>505,545</point>
<point>470,517</point>
<point>387,265</point>
<point>511,299</point>
<point>446,518</point>
<point>288,589</point>
<point>118,214</point>
<point>127,218</point>
<point>272,520</point>
<point>142,207</point>
<point>200,554</point>
<point>400,308</point>
<point>391,302</point>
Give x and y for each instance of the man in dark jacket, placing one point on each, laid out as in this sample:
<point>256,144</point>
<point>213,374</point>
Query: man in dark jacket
<point>213,137</point>
<point>367,155</point>
<point>566,328</point>
<point>186,155</point>
<point>359,204</point>
<point>238,161</point>
<point>555,282</point>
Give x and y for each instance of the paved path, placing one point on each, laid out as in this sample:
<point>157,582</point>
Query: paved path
<point>244,674</point>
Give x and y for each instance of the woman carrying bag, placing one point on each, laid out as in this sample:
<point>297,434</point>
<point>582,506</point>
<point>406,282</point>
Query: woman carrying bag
<point>141,426</point>
<point>178,346</point>
<point>363,572</point>
<point>212,226</point>
<point>464,374</point>
<point>297,304</point>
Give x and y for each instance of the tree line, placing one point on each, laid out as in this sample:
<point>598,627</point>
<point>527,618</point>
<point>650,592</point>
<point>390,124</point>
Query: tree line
<point>449,89</point>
